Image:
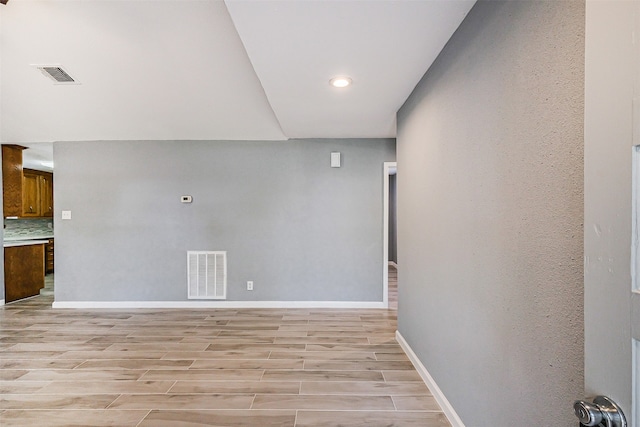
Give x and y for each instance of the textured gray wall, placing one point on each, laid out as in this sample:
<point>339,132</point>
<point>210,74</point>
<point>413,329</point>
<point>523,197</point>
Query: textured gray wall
<point>609,89</point>
<point>490,211</point>
<point>301,230</point>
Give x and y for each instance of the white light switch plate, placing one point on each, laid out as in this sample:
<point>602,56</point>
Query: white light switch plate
<point>335,160</point>
<point>66,214</point>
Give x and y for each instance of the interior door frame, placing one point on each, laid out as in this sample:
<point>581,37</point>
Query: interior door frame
<point>389,168</point>
<point>635,288</point>
<point>611,132</point>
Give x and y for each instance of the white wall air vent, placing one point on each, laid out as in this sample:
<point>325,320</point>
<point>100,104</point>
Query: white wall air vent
<point>56,73</point>
<point>207,275</point>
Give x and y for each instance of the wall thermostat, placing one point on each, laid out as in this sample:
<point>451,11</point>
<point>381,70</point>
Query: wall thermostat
<point>186,199</point>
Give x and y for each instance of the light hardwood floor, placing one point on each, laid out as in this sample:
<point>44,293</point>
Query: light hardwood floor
<point>206,367</point>
<point>393,288</point>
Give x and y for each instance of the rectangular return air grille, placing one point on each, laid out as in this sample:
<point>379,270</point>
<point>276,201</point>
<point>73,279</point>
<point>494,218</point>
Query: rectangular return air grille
<point>207,275</point>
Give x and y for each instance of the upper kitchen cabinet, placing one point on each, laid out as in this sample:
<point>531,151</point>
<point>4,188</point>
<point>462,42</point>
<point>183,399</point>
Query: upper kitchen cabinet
<point>27,193</point>
<point>12,180</point>
<point>46,194</point>
<point>30,194</point>
<point>37,194</point>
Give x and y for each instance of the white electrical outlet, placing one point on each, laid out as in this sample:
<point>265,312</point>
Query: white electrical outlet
<point>249,285</point>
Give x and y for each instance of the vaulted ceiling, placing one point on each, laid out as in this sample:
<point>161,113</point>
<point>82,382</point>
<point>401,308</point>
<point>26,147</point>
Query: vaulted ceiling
<point>213,69</point>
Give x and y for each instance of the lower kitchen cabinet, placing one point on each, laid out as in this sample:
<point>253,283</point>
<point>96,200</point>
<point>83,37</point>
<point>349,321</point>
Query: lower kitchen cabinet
<point>48,257</point>
<point>23,271</point>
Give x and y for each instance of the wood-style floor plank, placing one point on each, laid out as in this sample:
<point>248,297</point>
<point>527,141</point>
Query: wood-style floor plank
<point>208,367</point>
<point>370,419</point>
<point>72,418</point>
<point>221,418</point>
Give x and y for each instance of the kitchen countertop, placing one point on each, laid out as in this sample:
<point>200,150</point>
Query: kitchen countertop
<point>25,238</point>
<point>10,244</point>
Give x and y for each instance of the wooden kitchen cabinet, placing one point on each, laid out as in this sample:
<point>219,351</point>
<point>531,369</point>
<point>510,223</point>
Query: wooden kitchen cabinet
<point>26,193</point>
<point>48,257</point>
<point>46,194</point>
<point>30,194</point>
<point>12,180</point>
<point>23,271</point>
<point>37,194</point>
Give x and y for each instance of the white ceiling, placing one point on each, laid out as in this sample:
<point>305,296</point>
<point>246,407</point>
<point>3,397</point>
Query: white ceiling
<point>213,69</point>
<point>296,47</point>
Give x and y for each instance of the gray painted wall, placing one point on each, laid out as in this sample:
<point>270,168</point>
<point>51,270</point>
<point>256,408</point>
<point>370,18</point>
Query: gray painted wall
<point>301,230</point>
<point>612,64</point>
<point>490,211</point>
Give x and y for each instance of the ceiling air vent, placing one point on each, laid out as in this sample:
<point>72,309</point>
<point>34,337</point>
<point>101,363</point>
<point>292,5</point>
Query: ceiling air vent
<point>57,74</point>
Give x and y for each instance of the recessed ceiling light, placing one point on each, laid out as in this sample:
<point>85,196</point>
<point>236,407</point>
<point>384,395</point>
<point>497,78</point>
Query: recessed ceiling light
<point>340,81</point>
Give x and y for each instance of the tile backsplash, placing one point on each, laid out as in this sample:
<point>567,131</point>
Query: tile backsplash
<point>28,228</point>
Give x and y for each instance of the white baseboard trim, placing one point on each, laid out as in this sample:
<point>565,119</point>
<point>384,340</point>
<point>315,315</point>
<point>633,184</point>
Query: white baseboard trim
<point>393,264</point>
<point>448,410</point>
<point>1,302</point>
<point>216,304</point>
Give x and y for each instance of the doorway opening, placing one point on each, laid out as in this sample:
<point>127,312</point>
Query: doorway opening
<point>32,163</point>
<point>389,227</point>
